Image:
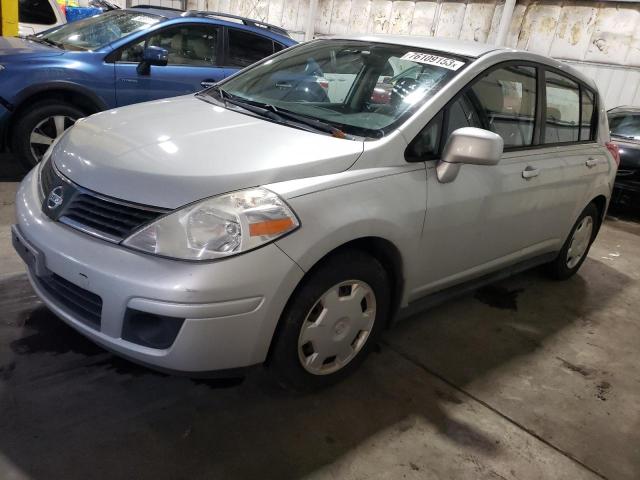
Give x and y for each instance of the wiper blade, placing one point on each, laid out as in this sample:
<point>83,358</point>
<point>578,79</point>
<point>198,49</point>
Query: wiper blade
<point>45,41</point>
<point>299,118</point>
<point>274,113</point>
<point>310,121</point>
<point>618,135</point>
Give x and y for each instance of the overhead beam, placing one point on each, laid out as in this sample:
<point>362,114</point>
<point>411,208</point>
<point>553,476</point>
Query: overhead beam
<point>505,22</point>
<point>311,20</point>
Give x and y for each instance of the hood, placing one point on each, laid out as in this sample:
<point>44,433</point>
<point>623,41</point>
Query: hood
<point>19,47</point>
<point>172,152</point>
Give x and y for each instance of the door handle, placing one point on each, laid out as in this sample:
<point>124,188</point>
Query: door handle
<point>591,162</point>
<point>207,83</point>
<point>530,172</point>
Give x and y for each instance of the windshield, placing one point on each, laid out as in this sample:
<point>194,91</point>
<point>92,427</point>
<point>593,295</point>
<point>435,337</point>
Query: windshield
<point>363,89</point>
<point>95,32</point>
<point>625,125</point>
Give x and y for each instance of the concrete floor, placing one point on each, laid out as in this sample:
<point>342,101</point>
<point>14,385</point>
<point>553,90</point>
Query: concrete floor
<point>526,379</point>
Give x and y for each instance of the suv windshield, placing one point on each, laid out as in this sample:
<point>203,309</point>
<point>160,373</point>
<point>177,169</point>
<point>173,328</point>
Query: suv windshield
<point>363,89</point>
<point>95,32</point>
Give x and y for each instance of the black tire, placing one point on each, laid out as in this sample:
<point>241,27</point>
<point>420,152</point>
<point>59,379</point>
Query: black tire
<point>30,118</point>
<point>559,268</point>
<point>284,362</point>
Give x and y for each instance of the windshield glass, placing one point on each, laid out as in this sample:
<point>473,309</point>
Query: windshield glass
<point>625,125</point>
<point>95,32</point>
<point>363,89</point>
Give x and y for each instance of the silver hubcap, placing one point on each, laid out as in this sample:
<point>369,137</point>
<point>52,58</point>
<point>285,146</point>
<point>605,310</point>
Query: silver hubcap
<point>45,132</point>
<point>579,242</point>
<point>337,327</point>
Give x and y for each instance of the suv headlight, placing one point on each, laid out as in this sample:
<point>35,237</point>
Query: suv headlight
<point>217,227</point>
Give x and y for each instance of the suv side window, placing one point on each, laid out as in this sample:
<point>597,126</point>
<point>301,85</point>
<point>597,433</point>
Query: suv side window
<point>562,122</point>
<point>190,45</point>
<point>507,98</point>
<point>36,11</point>
<point>587,120</point>
<point>246,48</point>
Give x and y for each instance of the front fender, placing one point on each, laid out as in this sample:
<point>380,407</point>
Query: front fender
<point>388,206</point>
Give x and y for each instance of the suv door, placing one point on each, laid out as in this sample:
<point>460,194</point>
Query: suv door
<point>486,218</point>
<point>194,50</point>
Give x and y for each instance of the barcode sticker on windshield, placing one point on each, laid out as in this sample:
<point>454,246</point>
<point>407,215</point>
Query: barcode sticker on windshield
<point>435,60</point>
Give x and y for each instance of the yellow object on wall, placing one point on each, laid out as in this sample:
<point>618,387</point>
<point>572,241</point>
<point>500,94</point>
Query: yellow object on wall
<point>9,18</point>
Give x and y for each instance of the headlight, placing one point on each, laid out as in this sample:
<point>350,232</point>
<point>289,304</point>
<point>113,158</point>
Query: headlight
<point>218,227</point>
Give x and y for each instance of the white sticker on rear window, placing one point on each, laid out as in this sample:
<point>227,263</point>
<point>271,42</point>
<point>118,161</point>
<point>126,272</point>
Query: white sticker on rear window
<point>435,60</point>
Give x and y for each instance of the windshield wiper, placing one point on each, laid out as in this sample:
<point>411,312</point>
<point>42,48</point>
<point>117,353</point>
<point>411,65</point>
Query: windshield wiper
<point>298,118</point>
<point>310,121</point>
<point>277,114</point>
<point>45,41</point>
<point>627,137</point>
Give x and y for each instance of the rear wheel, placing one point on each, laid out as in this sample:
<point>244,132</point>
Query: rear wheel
<point>331,322</point>
<point>37,128</point>
<point>575,249</point>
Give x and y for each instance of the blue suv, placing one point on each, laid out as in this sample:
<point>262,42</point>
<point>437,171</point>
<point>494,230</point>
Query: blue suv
<point>49,80</point>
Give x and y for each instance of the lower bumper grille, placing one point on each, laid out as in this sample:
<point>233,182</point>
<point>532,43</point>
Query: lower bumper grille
<point>86,306</point>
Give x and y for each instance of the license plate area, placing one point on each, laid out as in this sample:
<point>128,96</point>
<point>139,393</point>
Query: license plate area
<point>33,258</point>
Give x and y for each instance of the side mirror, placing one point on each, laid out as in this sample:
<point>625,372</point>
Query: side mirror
<point>152,56</point>
<point>474,146</point>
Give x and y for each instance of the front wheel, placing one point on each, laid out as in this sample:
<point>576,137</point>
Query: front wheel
<point>37,128</point>
<point>576,247</point>
<point>331,323</point>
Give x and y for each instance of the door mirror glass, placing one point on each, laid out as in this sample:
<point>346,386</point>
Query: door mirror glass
<point>153,56</point>
<point>470,145</point>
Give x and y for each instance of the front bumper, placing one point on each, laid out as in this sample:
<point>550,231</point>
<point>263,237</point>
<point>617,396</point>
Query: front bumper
<point>230,307</point>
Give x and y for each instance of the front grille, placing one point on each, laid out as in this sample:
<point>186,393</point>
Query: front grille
<point>85,305</point>
<point>108,218</point>
<point>47,176</point>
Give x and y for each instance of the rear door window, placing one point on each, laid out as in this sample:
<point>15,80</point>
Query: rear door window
<point>36,11</point>
<point>507,100</point>
<point>246,48</point>
<point>562,122</point>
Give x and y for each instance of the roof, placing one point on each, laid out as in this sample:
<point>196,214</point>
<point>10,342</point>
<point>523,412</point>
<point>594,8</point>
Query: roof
<point>160,11</point>
<point>456,47</point>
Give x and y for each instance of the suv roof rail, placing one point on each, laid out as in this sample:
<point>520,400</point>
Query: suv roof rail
<point>154,7</point>
<point>246,21</point>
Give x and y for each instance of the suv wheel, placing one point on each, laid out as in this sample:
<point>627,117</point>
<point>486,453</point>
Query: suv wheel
<point>37,128</point>
<point>575,249</point>
<point>331,323</point>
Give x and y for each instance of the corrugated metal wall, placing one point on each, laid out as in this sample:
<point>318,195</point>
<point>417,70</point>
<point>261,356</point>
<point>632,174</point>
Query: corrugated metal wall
<point>600,38</point>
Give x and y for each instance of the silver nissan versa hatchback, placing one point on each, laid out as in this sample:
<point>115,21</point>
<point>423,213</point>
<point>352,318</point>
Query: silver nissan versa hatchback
<point>288,214</point>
